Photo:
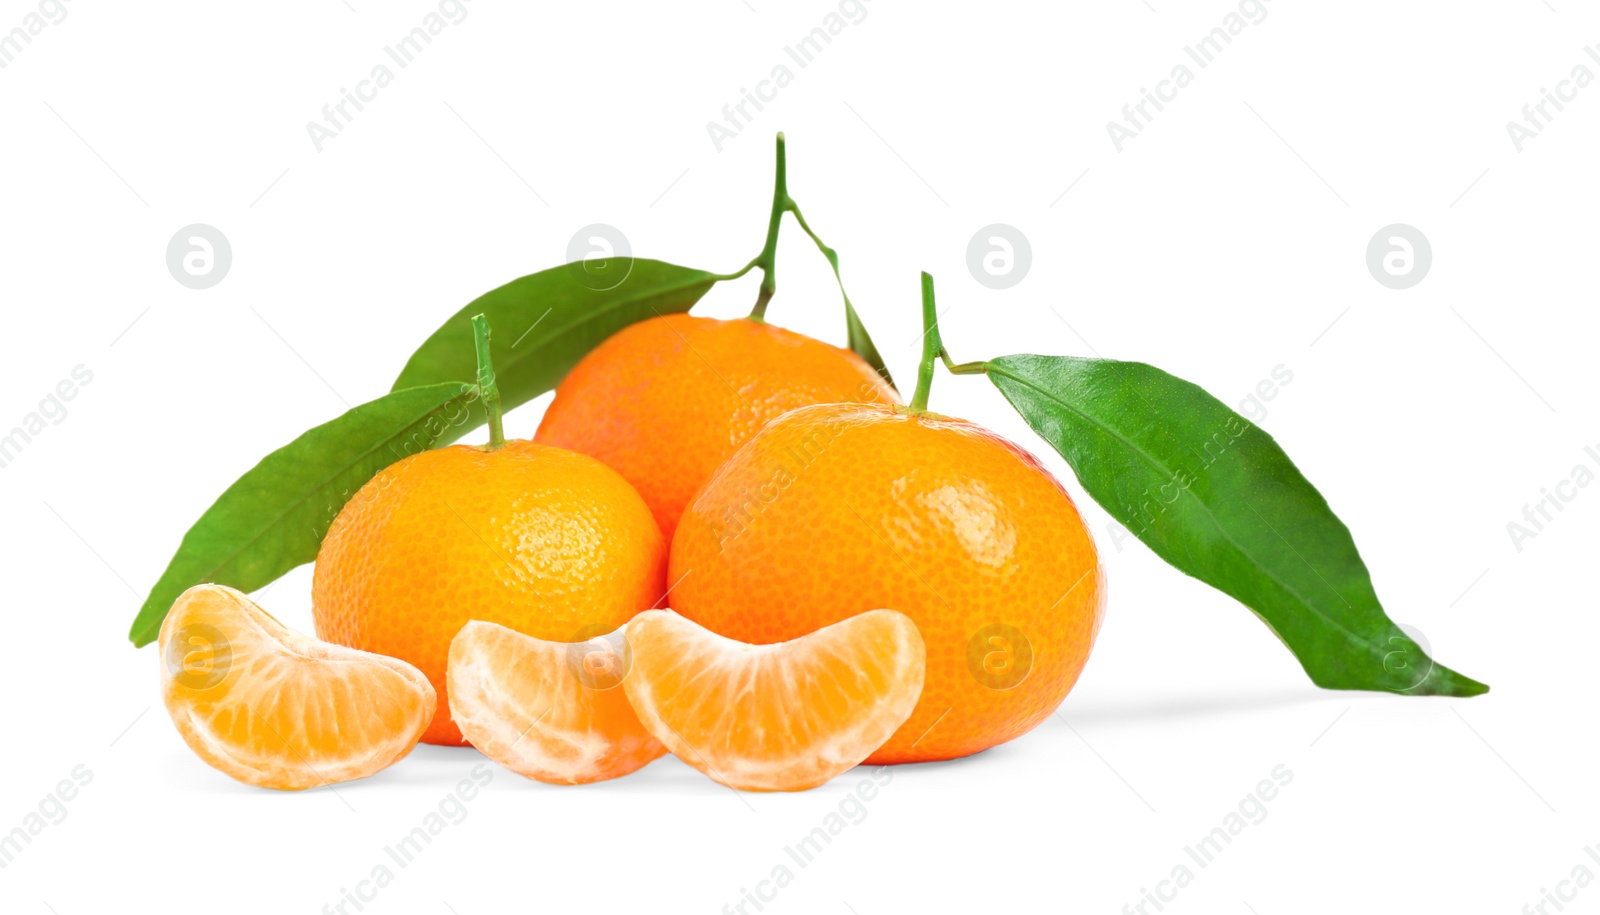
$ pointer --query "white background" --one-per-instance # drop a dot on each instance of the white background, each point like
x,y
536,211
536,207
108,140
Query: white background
x,y
1224,241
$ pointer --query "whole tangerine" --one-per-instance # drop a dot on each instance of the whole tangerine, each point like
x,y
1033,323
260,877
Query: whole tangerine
x,y
665,401
541,540
833,510
548,542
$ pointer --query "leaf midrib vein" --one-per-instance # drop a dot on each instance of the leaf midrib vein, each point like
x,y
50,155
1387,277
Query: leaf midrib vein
x,y
561,330
297,503
1371,647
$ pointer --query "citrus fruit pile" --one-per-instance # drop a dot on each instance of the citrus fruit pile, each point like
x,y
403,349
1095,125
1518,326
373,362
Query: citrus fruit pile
x,y
726,541
832,557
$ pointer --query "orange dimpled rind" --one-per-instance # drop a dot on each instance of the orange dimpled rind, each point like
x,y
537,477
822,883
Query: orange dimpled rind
x,y
540,539
937,517
665,401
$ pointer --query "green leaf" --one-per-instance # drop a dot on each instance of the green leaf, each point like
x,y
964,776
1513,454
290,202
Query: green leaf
x,y
545,322
861,344
273,518
1215,496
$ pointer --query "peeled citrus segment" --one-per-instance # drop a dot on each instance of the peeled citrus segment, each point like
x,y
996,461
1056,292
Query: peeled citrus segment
x,y
278,709
780,717
552,711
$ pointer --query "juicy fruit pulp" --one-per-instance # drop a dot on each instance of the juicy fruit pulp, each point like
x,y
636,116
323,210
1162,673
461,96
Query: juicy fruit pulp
x,y
664,402
536,538
278,709
774,717
552,711
835,509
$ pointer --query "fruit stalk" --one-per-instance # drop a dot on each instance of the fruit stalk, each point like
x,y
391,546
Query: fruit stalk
x,y
859,341
486,386
932,346
767,260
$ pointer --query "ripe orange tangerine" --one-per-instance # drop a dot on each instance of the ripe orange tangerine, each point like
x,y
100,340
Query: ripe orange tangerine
x,y
546,541
835,509
543,540
664,402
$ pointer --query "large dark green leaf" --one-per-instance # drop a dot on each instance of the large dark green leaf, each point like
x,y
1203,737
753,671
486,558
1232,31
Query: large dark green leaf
x,y
545,322
273,518
1216,497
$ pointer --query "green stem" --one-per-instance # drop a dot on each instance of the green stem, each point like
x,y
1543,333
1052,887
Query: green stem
x,y
487,389
828,253
767,260
965,368
932,346
855,331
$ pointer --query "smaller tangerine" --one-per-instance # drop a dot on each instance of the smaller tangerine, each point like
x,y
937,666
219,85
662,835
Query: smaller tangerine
x,y
665,401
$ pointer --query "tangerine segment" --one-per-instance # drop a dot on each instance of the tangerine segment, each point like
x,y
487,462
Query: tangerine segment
x,y
275,708
779,717
552,711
